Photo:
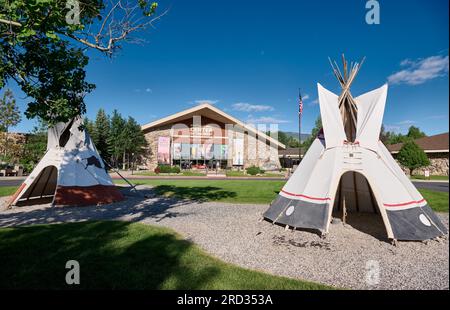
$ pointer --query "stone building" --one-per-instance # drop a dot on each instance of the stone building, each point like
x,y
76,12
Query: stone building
x,y
205,136
436,148
13,148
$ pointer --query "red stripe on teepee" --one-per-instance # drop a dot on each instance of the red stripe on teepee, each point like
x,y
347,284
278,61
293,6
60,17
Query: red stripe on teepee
x,y
304,196
403,204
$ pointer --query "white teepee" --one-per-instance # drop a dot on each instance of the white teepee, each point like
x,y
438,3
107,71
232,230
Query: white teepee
x,y
70,173
347,168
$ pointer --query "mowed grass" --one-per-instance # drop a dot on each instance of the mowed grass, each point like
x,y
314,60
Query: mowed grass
x,y
258,192
432,177
438,201
217,190
7,190
120,255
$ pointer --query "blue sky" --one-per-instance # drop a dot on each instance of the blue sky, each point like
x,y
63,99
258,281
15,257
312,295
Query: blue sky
x,y
250,57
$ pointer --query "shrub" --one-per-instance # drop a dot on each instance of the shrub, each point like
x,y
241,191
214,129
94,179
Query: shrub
x,y
253,170
412,156
167,169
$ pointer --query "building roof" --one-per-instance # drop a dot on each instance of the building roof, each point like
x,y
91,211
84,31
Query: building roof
x,y
290,152
211,112
431,144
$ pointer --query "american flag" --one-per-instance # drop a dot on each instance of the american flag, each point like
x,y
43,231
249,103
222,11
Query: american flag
x,y
300,104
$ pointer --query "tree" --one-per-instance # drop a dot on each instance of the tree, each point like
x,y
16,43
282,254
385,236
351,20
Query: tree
x,y
88,125
35,146
415,133
412,156
42,44
384,135
314,132
9,115
117,138
100,133
135,143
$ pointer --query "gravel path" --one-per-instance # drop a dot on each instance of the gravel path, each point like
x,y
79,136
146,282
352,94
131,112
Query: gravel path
x,y
348,255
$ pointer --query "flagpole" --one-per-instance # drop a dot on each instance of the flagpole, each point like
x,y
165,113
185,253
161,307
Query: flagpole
x,y
300,127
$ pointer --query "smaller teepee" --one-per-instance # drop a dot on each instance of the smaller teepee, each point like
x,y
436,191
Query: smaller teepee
x,y
70,173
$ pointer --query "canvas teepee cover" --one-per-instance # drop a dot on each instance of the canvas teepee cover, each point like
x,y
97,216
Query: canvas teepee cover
x,y
70,173
347,168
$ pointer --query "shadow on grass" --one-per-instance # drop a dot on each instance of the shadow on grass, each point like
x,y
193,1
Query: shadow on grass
x,y
112,255
196,193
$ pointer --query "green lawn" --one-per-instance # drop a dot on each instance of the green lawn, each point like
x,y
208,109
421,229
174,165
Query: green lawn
x,y
250,192
432,177
438,201
120,255
217,190
185,173
244,191
7,190
238,174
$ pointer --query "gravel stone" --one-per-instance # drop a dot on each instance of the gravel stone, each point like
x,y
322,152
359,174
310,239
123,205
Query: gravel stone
x,y
354,255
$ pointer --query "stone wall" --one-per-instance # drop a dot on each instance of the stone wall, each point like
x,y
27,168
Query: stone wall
x,y
260,154
152,136
439,165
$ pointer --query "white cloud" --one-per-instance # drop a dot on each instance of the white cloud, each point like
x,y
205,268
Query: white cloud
x,y
204,101
247,107
406,122
392,128
419,71
265,120
149,90
315,101
305,97
440,116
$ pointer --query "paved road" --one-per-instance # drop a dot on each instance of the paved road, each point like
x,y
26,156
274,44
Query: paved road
x,y
435,186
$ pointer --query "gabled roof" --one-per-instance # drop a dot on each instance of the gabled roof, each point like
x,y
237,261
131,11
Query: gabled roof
x,y
432,144
208,110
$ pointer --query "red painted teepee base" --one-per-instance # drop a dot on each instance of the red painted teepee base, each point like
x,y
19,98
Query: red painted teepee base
x,y
88,195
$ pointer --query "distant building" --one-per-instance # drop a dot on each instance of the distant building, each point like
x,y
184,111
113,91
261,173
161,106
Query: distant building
x,y
205,136
436,147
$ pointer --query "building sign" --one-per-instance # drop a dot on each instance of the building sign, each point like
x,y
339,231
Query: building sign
x,y
238,150
185,151
202,131
208,152
177,151
164,150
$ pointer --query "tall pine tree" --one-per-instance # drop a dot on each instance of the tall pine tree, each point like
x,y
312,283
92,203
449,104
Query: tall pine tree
x,y
100,133
117,139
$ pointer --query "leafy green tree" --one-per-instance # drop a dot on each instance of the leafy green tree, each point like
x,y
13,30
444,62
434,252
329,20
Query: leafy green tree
x,y
395,138
9,116
384,135
415,133
412,156
35,146
42,44
100,133
314,132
